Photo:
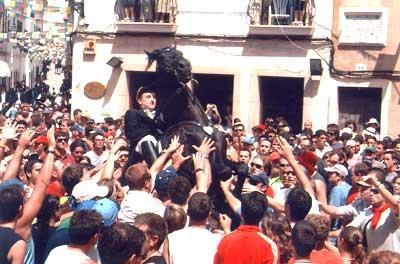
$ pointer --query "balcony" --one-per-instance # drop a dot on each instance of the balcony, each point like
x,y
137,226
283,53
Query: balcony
x,y
281,18
146,17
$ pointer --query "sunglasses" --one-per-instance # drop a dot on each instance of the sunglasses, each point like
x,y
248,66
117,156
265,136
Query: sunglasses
x,y
283,165
238,130
258,166
59,140
374,191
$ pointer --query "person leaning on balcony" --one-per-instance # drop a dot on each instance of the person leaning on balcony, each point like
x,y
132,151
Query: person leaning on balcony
x,y
129,8
166,11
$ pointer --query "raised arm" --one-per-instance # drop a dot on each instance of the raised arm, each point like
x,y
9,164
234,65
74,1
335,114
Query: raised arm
x,y
301,176
34,203
372,179
108,169
205,148
8,132
233,202
159,163
14,165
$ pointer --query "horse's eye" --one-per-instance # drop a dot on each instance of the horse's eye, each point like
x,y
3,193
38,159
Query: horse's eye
x,y
181,65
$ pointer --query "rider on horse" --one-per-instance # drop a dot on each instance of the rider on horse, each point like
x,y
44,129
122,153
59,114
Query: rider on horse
x,y
140,126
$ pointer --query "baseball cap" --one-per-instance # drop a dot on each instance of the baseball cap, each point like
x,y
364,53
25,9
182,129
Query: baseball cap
x,y
78,128
370,149
87,190
307,159
338,168
108,210
260,177
41,140
12,183
163,179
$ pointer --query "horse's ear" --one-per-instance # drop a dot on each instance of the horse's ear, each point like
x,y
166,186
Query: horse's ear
x,y
151,56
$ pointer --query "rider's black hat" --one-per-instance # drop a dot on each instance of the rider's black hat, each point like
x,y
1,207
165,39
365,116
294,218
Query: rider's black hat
x,y
145,89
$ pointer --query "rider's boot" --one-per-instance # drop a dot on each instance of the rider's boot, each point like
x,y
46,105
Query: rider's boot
x,y
149,152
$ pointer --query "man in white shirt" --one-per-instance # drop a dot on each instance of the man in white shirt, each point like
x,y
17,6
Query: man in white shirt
x,y
98,155
194,244
83,232
138,200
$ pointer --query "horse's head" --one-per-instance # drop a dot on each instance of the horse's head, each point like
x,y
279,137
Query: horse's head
x,y
170,63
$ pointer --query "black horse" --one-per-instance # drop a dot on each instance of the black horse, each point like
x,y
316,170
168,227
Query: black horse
x,y
180,112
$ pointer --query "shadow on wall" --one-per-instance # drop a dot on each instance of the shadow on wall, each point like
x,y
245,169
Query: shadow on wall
x,y
111,84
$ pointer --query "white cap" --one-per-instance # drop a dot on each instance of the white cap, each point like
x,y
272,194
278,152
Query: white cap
x,y
339,168
373,121
87,190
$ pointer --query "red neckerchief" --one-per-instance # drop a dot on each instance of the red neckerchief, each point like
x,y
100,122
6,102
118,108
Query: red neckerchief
x,y
377,214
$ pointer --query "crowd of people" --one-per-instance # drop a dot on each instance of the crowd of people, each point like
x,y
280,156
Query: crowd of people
x,y
76,190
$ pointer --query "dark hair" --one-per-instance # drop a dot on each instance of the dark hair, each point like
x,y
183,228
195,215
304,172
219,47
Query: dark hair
x,y
119,242
70,177
359,138
155,226
299,203
199,206
348,122
11,199
320,132
395,156
84,225
29,165
352,241
78,143
76,111
254,205
304,238
50,206
61,134
22,122
175,217
361,169
179,190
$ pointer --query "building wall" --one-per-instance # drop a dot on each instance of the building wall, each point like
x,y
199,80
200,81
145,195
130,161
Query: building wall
x,y
373,58
246,59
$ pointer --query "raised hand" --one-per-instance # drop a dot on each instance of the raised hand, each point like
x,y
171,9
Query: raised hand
x,y
117,145
26,138
178,159
206,146
174,145
50,138
9,131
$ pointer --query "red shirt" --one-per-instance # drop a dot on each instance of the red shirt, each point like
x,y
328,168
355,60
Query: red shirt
x,y
323,256
246,245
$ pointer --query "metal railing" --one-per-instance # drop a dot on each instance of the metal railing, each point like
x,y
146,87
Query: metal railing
x,y
281,12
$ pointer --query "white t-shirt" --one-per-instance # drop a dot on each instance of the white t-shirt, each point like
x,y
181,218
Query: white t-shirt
x,y
97,160
386,236
192,245
65,254
139,202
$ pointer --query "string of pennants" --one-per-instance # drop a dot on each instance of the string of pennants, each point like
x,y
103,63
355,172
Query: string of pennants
x,y
21,4
31,35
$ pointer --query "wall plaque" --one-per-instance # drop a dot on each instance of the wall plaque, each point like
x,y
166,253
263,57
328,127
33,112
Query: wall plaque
x,y
94,90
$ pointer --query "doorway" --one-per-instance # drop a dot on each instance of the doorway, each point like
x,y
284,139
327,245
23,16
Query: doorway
x,y
216,89
359,104
283,97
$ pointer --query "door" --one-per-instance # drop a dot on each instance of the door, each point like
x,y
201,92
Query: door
x,y
359,104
